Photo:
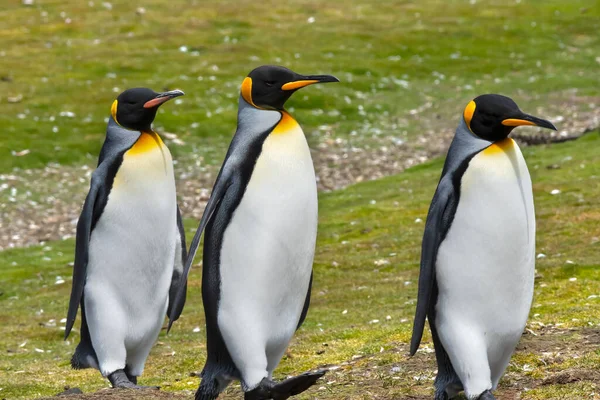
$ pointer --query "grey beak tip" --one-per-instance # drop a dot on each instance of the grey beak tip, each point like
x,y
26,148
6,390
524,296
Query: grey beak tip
x,y
171,93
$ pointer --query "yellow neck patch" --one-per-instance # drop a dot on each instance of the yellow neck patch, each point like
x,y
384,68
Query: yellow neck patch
x,y
113,111
286,124
502,146
247,91
468,114
147,141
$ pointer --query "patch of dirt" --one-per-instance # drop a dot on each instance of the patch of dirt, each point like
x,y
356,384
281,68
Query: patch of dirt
x,y
124,394
571,376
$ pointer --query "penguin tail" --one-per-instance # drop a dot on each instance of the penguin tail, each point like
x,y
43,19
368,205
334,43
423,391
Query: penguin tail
x,y
284,389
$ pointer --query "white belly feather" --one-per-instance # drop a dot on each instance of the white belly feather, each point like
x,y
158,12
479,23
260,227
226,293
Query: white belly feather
x,y
267,253
132,248
485,266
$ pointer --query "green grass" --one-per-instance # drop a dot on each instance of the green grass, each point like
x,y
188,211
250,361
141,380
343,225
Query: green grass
x,y
367,265
392,57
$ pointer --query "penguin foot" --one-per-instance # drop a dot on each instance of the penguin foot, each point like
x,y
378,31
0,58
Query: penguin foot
x,y
120,380
267,389
132,378
487,395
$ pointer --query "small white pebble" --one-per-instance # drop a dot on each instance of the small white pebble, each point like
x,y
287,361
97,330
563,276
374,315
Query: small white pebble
x,y
310,20
374,321
345,312
541,255
418,220
196,329
572,279
389,317
555,191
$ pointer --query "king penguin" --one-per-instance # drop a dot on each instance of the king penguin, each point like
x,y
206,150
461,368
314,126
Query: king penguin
x,y
130,245
261,229
477,257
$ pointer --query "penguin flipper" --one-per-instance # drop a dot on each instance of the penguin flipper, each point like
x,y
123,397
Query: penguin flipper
x,y
219,190
84,231
178,270
439,219
118,141
306,303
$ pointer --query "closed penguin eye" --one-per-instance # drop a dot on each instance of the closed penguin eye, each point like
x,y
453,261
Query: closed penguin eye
x,y
269,83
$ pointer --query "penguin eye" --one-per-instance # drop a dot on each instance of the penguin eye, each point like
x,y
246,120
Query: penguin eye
x,y
269,83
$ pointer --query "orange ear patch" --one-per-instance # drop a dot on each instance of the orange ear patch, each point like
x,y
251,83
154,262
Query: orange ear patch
x,y
113,110
247,91
469,111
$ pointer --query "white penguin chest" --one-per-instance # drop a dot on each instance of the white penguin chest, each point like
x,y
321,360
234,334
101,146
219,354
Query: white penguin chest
x,y
134,239
268,246
485,265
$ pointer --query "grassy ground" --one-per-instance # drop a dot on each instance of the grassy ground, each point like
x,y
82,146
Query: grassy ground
x,y
63,63
363,298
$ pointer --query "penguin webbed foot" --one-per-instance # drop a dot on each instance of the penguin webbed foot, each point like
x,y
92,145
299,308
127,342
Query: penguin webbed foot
x,y
132,378
122,380
487,395
267,389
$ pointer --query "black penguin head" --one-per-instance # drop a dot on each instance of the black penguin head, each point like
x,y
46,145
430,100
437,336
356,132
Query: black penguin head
x,y
492,117
270,86
136,108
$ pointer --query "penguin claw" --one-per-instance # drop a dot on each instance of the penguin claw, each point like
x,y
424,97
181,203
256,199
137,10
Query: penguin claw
x,y
267,389
487,395
121,380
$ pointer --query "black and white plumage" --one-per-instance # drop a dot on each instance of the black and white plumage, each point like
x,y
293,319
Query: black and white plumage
x,y
130,244
477,259
260,231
